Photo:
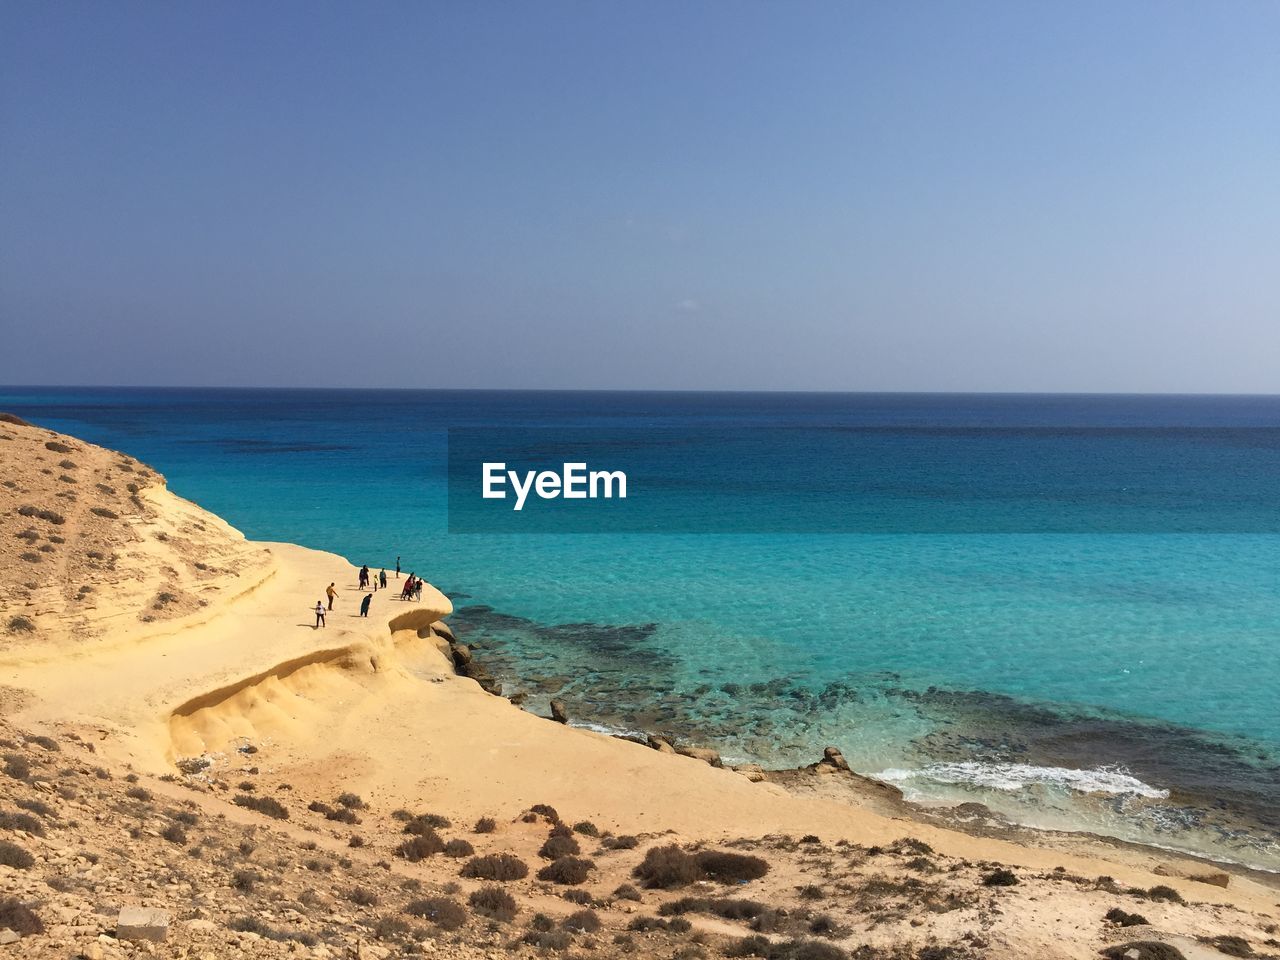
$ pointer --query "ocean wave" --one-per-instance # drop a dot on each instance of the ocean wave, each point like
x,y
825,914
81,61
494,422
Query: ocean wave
x,y
1018,776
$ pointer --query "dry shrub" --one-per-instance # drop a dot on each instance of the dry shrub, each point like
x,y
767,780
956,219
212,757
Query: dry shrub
x,y
729,867
362,896
566,870
586,828
268,806
391,928
545,810
626,892
1001,878
420,847
351,801
496,866
559,846
458,848
554,940
583,921
12,855
19,918
426,821
175,834
625,842
495,903
445,913
485,825
666,867
11,820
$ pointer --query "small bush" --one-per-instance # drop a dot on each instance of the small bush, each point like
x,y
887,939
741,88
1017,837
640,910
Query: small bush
x,y
1168,894
583,921
58,447
420,847
625,842
355,841
485,825
362,896
554,940
458,848
496,866
38,807
17,767
105,513
567,870
24,822
626,892
351,801
445,913
1000,878
12,855
545,810
666,867
1124,919
21,624
317,806
557,847
729,867
47,743
391,928
581,897
342,815
427,821
268,806
245,880
495,903
139,793
175,834
586,828
19,918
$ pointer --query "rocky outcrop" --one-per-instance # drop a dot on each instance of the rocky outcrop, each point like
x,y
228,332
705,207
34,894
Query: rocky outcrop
x,y
661,744
558,712
142,923
832,761
1200,874
705,754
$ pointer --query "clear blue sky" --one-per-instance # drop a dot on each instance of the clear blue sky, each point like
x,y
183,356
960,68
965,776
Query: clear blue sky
x,y
721,195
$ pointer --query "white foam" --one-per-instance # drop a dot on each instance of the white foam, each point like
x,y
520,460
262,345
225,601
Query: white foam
x,y
1018,776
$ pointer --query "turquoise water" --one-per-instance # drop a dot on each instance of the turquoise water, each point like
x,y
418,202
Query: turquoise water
x,y
1121,681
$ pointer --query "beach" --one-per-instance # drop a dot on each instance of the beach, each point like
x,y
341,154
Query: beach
x,y
153,639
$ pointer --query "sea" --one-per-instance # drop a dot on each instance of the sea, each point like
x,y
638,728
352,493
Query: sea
x,y
1063,607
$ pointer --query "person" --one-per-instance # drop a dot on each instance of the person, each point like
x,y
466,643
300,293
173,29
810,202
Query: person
x,y
330,592
397,568
417,589
364,576
364,604
382,578
319,615
408,588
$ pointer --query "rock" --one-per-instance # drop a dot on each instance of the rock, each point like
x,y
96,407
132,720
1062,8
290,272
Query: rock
x,y
142,923
461,654
1200,874
752,771
93,952
833,757
558,712
661,744
705,754
201,925
7,937
442,629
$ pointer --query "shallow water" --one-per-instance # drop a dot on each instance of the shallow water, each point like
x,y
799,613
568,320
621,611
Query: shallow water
x,y
1122,682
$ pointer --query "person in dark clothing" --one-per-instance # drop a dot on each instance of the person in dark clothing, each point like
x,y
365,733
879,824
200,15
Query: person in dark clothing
x,y
364,576
382,579
364,604
397,568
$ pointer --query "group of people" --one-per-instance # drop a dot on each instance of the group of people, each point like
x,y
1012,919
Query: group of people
x,y
412,590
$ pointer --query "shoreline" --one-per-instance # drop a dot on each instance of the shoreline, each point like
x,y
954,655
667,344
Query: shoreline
x,y
192,660
1202,811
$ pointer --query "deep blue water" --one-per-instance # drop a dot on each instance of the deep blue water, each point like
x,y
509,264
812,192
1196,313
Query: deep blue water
x,y
1068,678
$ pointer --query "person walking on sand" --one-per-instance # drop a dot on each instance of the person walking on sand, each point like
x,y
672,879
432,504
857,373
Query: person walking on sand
x,y
319,615
408,588
382,578
330,593
364,576
364,604
397,568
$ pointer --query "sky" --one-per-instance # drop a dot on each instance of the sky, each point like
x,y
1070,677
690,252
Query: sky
x,y
727,195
